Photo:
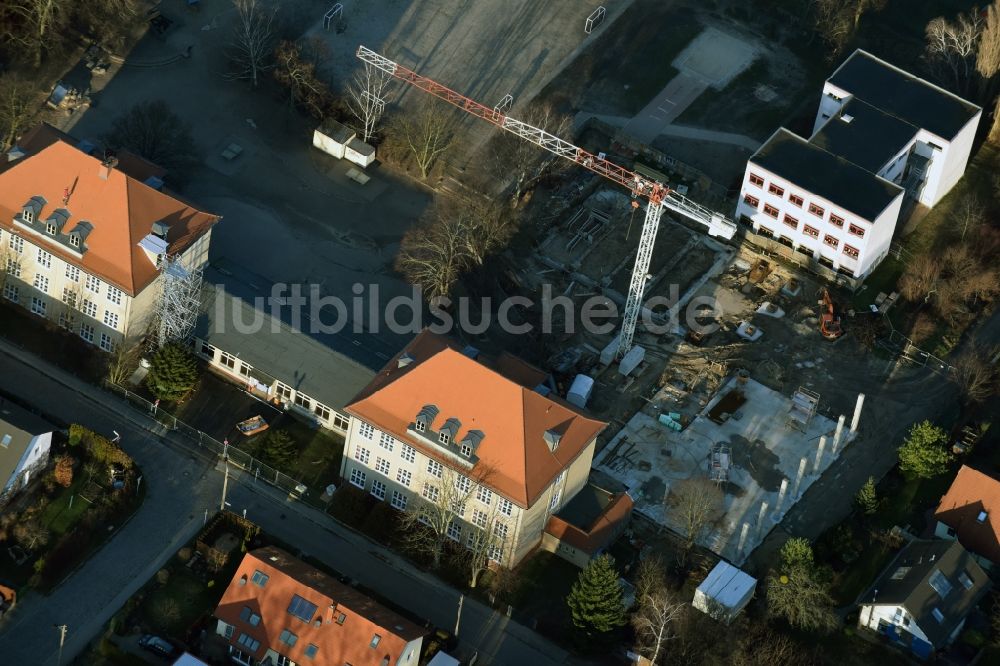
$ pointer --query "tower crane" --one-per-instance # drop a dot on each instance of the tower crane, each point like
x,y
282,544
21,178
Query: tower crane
x,y
658,195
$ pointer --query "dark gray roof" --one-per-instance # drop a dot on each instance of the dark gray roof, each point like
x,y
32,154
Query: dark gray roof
x,y
328,367
903,95
907,582
864,135
826,175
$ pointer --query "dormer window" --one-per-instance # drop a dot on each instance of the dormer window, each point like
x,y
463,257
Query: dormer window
x,y
425,418
28,215
466,450
444,437
50,229
449,431
74,240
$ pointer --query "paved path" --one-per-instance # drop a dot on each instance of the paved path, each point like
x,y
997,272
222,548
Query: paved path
x,y
678,95
181,485
679,131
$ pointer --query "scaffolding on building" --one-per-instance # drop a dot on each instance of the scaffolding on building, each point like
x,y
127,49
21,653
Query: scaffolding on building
x,y
180,301
804,406
722,458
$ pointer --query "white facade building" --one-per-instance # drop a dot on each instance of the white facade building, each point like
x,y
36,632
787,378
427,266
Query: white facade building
x,y
881,136
81,240
436,416
25,441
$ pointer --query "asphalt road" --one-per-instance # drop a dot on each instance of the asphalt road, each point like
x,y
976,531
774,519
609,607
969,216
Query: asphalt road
x,y
181,486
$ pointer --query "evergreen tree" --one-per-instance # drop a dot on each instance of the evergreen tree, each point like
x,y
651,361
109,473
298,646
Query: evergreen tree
x,y
595,601
278,449
923,454
866,499
173,373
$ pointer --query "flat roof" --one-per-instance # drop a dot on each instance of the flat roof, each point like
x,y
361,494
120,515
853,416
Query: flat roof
x,y
727,584
903,95
864,135
586,506
328,367
826,175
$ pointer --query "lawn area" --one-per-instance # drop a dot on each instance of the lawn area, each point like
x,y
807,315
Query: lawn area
x,y
171,609
883,279
543,582
66,509
321,450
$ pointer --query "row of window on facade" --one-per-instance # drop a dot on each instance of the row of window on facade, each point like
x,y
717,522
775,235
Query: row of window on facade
x,y
43,260
284,392
796,200
812,232
39,306
480,519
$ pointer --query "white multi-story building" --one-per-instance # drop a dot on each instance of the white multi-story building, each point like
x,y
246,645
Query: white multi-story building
x,y
81,240
438,414
881,137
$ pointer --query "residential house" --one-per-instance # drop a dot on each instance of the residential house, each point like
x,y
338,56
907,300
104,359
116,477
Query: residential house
x,y
587,524
280,611
881,137
439,416
82,238
25,441
970,512
921,600
273,354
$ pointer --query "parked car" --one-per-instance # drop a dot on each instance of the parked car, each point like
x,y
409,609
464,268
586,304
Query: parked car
x,y
157,645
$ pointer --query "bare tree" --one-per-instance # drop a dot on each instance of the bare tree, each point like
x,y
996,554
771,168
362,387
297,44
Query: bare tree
x,y
425,133
994,135
988,51
485,542
295,69
920,277
485,227
519,163
19,101
69,303
763,646
433,256
38,19
434,518
121,361
31,533
976,373
951,46
656,610
799,596
696,503
366,97
7,257
252,41
838,20
152,130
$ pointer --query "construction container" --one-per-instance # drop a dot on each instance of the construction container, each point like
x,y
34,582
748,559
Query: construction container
x,y
580,390
725,592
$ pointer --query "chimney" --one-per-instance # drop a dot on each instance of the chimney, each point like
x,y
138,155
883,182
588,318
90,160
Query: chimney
x,y
160,229
109,162
404,360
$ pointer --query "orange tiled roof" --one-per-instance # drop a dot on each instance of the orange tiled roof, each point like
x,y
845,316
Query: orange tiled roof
x,y
512,415
971,493
121,209
339,643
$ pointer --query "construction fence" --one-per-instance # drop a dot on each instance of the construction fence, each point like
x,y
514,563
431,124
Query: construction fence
x,y
237,457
